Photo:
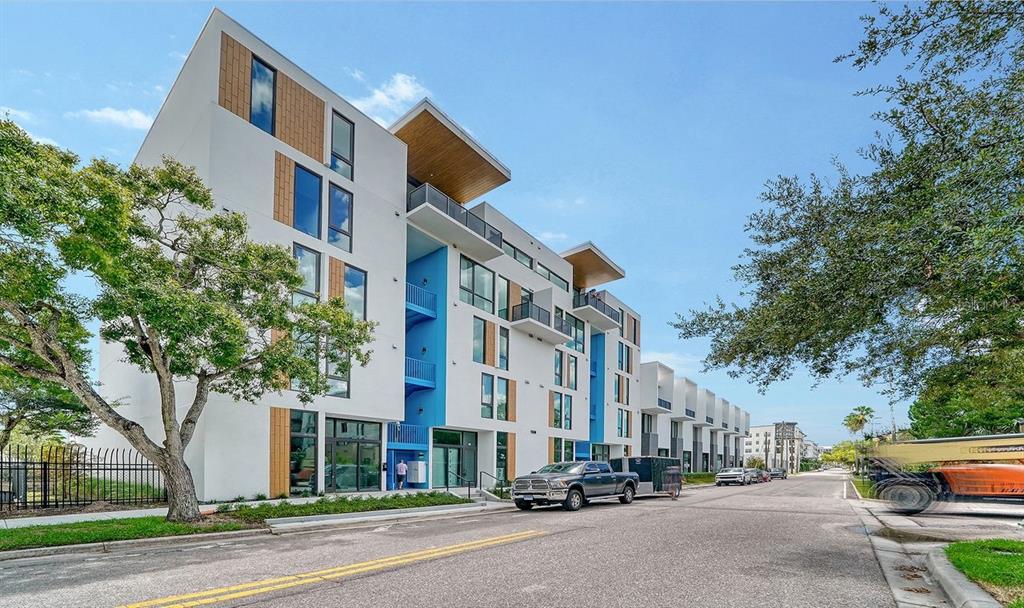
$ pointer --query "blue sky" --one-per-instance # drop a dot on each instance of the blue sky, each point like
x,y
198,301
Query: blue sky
x,y
647,128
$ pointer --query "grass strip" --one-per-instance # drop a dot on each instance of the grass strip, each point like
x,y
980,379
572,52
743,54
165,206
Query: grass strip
x,y
865,486
106,530
996,564
336,505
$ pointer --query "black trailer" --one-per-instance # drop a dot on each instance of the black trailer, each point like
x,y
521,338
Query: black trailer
x,y
651,470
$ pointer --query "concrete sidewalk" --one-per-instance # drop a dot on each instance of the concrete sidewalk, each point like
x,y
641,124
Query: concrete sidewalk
x,y
70,518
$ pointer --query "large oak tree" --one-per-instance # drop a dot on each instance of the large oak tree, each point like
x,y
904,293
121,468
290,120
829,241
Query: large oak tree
x,y
181,288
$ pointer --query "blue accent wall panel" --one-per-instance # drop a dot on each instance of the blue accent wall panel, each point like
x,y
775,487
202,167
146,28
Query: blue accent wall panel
x,y
597,384
428,341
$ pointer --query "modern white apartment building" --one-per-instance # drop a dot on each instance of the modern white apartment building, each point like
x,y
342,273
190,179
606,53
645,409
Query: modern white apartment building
x,y
781,444
493,354
681,420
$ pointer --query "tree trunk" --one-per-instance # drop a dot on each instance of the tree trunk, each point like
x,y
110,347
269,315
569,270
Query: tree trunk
x,y
182,504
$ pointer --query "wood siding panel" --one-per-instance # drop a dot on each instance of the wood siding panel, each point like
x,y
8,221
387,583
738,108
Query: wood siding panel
x,y
336,279
299,117
551,450
284,188
510,465
279,444
512,401
490,344
551,409
235,86
515,296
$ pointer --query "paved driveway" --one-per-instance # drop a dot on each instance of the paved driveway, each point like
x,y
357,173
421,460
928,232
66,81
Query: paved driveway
x,y
792,543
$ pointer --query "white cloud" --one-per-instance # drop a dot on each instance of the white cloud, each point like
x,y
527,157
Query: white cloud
x,y
684,364
388,101
19,115
177,55
128,119
553,237
43,140
356,74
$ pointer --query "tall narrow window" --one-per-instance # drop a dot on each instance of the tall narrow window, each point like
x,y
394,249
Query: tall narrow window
x,y
646,423
338,379
503,298
487,395
476,285
569,451
558,368
478,340
567,412
501,461
556,410
621,356
339,218
306,208
261,104
622,323
502,348
557,443
501,394
616,381
342,142
309,270
572,372
302,453
355,292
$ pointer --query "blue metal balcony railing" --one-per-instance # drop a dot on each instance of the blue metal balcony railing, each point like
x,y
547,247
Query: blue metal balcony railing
x,y
589,299
427,194
421,298
407,433
664,403
691,413
419,370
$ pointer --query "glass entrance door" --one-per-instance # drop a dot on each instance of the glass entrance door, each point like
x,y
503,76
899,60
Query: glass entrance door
x,y
453,459
352,456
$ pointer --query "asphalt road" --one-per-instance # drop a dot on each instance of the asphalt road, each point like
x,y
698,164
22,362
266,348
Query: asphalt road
x,y
792,543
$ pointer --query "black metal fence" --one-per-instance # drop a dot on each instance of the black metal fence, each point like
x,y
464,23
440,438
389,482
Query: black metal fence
x,y
62,477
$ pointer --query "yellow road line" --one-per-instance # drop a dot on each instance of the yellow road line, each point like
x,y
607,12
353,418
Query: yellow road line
x,y
222,594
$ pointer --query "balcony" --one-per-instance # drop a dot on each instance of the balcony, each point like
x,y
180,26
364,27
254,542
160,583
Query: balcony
x,y
419,375
536,322
661,406
708,421
407,436
664,403
593,310
730,431
433,211
420,305
685,414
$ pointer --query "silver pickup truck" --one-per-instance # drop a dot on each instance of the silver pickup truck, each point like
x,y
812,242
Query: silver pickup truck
x,y
573,484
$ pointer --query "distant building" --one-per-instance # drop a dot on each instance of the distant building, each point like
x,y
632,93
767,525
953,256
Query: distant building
x,y
781,445
812,450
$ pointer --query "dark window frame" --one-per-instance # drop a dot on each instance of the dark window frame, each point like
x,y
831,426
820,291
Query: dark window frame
x,y
273,95
484,403
351,161
483,339
472,291
366,288
504,343
351,216
319,200
315,296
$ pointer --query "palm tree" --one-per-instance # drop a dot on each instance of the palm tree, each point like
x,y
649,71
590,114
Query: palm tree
x,y
859,418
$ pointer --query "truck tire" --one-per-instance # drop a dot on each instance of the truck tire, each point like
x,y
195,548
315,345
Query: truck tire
x,y
525,506
627,494
906,498
573,500
718,483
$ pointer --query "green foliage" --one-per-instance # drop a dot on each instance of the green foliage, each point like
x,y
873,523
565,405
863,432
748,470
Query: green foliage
x,y
756,462
865,487
343,504
107,530
860,417
40,411
998,564
919,264
696,478
843,453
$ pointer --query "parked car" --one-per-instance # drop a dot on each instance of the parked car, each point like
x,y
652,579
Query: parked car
x,y
573,484
755,475
765,475
778,473
735,475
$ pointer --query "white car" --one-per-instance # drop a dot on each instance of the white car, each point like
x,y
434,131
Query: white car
x,y
736,475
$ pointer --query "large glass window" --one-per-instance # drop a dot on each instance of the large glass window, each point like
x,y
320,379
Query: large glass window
x,y
646,423
616,390
309,270
625,358
302,454
476,285
567,412
600,452
561,283
306,208
342,143
502,348
572,372
338,379
558,368
487,395
620,423
503,307
556,411
578,328
355,292
501,392
517,254
501,464
339,218
565,450
478,340
261,103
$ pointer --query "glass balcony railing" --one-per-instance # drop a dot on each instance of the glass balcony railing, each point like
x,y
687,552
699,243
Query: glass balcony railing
x,y
589,299
691,413
664,403
529,310
709,419
563,326
725,425
429,195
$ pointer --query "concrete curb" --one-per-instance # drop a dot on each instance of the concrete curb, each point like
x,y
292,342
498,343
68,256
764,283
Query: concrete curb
x,y
139,543
961,590
318,522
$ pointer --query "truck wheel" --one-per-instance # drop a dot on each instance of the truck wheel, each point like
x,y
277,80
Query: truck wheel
x,y
906,498
525,506
718,483
627,495
573,501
